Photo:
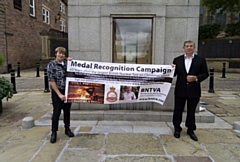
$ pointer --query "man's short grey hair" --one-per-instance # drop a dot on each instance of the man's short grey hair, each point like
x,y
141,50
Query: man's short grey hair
x,y
188,41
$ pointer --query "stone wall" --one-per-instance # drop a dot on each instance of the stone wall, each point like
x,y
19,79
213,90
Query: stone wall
x,y
90,28
217,64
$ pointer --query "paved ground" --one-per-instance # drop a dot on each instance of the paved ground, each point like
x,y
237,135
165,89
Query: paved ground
x,y
117,141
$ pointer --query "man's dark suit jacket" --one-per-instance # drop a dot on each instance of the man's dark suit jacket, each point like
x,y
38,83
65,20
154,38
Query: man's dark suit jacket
x,y
198,68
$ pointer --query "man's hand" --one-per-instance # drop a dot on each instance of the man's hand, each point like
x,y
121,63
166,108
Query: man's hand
x,y
191,78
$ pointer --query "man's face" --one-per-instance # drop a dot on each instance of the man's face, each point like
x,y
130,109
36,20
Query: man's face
x,y
129,89
189,48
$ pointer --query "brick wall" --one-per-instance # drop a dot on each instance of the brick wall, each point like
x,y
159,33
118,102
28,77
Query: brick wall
x,y
2,31
23,43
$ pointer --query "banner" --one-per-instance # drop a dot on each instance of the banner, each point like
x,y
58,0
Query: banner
x,y
112,83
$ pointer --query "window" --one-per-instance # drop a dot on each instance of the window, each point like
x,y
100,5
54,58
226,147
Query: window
x,y
221,19
132,40
32,7
17,4
46,17
202,9
62,7
62,25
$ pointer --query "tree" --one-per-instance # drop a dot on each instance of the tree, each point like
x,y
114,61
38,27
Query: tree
x,y
222,5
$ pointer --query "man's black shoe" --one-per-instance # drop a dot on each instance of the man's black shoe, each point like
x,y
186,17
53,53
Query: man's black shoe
x,y
53,138
69,133
177,134
192,135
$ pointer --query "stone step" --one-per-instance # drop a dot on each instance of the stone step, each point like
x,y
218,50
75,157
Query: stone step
x,y
132,115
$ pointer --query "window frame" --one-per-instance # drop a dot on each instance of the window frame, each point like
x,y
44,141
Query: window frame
x,y
32,6
17,4
46,15
62,26
62,7
129,46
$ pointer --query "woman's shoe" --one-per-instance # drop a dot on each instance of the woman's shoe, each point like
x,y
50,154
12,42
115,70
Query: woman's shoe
x,y
53,138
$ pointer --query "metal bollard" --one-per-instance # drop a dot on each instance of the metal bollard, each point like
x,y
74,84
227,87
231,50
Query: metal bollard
x,y
18,69
224,70
211,90
13,81
37,69
46,81
1,107
9,67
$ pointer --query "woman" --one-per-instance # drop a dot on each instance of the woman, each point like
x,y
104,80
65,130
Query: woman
x,y
56,71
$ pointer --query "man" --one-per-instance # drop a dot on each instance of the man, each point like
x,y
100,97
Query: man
x,y
129,95
190,70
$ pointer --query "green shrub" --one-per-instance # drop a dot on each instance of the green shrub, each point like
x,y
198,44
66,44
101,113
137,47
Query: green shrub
x,y
6,88
1,59
208,31
233,29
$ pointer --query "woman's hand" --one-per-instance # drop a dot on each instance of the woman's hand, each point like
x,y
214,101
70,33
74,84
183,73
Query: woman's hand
x,y
62,97
69,59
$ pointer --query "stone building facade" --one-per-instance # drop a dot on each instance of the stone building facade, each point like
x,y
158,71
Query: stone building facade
x,y
224,18
26,29
95,27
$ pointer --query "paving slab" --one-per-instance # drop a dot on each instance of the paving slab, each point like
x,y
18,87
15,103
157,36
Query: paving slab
x,y
85,129
87,141
133,144
182,146
154,130
220,153
7,132
231,110
24,107
191,159
206,136
19,151
34,134
138,159
72,155
49,151
112,129
12,118
234,149
231,119
227,136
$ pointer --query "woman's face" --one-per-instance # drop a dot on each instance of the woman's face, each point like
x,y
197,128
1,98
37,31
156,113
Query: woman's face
x,y
60,56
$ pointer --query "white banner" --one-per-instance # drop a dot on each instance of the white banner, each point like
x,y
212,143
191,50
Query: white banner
x,y
112,83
